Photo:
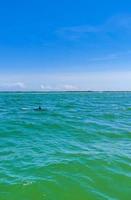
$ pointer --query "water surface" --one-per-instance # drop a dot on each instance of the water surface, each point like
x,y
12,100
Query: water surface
x,y
78,149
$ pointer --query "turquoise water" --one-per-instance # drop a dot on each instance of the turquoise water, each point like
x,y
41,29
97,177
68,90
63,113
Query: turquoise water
x,y
78,149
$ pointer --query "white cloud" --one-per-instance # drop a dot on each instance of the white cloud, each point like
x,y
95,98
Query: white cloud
x,y
117,23
113,56
58,87
102,80
69,87
12,86
46,87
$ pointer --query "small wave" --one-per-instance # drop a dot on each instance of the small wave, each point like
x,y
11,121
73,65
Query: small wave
x,y
27,183
25,108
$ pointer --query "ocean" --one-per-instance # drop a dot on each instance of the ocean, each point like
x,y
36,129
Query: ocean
x,y
78,148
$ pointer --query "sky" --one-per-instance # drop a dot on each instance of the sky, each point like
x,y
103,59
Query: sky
x,y
48,45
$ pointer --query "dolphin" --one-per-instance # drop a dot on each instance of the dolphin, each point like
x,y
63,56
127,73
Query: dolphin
x,y
39,109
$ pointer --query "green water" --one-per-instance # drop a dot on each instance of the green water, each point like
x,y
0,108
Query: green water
x,y
78,149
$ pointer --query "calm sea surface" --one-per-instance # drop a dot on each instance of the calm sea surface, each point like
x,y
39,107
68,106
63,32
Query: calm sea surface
x,y
78,149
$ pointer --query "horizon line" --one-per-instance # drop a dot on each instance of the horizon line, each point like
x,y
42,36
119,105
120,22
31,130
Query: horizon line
x,y
50,91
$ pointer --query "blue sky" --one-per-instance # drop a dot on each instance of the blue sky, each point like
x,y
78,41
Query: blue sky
x,y
65,45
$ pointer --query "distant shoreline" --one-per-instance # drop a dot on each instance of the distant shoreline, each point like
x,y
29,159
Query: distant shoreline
x,y
62,91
